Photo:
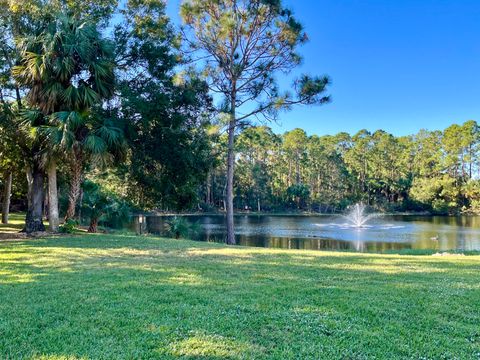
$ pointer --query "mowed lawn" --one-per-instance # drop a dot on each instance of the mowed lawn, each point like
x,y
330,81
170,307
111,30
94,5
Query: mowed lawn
x,y
127,297
16,223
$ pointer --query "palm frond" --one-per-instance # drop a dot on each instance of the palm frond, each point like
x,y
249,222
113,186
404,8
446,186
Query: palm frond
x,y
110,134
95,145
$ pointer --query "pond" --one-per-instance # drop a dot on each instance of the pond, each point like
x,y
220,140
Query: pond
x,y
334,233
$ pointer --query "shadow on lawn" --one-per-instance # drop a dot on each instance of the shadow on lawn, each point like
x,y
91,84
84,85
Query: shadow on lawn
x,y
132,252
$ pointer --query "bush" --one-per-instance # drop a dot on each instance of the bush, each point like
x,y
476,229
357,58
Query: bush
x,y
208,208
69,227
180,227
101,205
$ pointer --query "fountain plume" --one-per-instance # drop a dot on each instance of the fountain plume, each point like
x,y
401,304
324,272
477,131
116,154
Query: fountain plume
x,y
357,216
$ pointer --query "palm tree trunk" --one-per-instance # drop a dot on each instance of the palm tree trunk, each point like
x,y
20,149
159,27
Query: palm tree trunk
x,y
52,196
76,170
93,225
33,220
7,192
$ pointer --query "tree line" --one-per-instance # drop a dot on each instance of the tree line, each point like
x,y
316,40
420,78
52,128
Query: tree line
x,y
431,171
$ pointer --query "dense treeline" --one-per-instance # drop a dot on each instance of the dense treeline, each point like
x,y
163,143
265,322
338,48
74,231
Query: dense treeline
x,y
431,171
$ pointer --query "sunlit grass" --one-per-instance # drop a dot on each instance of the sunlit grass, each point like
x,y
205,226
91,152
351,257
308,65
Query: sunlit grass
x,y
127,297
16,222
201,345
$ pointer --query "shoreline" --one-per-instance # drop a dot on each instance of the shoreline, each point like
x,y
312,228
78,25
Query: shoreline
x,y
299,214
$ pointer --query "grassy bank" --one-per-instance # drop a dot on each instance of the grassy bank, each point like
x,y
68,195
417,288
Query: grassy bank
x,y
121,297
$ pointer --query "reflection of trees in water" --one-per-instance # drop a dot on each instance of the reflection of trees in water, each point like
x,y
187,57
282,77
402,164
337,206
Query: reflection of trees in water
x,y
332,244
436,233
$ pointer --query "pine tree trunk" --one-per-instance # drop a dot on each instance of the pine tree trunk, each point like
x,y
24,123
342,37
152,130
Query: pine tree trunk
x,y
76,170
470,162
33,220
52,196
297,170
208,195
224,197
213,198
7,192
230,170
289,177
93,225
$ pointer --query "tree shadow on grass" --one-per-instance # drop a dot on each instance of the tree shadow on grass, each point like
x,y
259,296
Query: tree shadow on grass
x,y
124,299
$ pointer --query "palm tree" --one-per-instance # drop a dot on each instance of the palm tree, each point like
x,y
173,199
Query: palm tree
x,y
93,139
68,69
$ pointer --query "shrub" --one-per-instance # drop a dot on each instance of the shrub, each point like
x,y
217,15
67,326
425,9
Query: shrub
x,y
180,227
69,227
99,204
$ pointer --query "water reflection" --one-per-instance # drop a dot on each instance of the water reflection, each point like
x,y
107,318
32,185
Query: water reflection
x,y
328,233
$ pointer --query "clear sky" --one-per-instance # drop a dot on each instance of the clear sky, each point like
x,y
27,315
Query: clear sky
x,y
396,65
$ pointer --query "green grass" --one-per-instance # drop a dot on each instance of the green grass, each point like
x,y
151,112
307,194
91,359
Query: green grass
x,y
126,297
16,222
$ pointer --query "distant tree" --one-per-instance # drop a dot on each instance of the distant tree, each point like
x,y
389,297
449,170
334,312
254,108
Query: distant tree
x,y
295,146
427,153
244,43
471,192
298,194
329,179
358,158
255,146
461,149
440,194
388,171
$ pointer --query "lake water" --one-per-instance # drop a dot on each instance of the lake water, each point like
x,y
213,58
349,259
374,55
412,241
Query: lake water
x,y
334,233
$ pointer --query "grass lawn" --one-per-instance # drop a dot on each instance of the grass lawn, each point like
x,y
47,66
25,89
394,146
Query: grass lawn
x,y
126,297
16,222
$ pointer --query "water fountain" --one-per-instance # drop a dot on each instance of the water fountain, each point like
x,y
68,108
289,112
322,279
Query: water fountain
x,y
356,219
357,216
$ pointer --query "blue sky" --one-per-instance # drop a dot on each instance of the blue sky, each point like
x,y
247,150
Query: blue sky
x,y
396,65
